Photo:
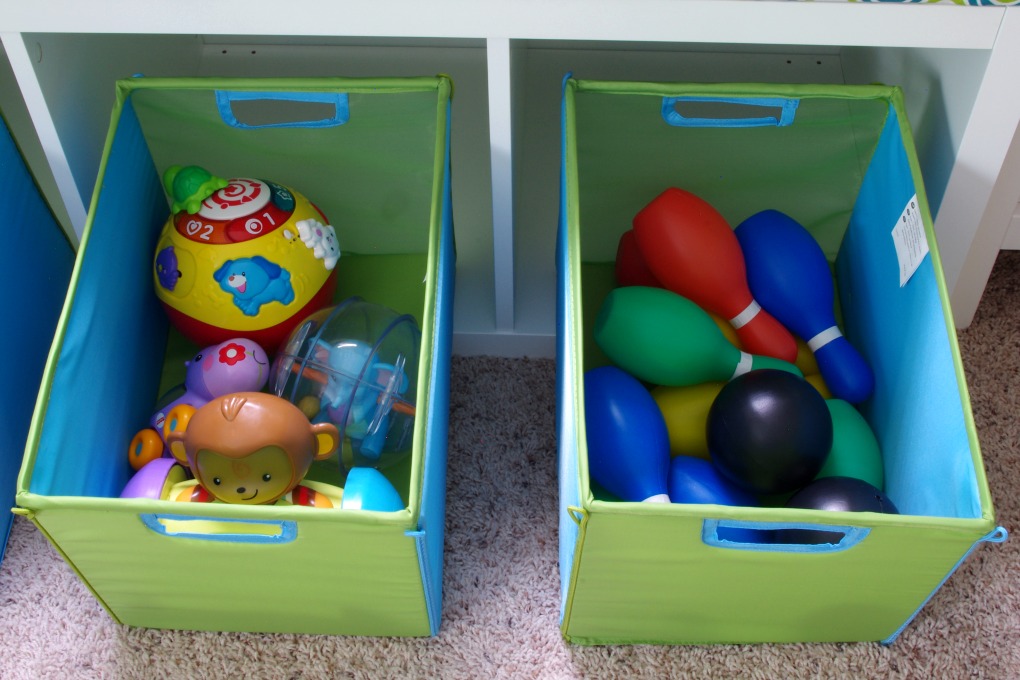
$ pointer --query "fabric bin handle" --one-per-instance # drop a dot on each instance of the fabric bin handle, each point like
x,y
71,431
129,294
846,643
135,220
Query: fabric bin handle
x,y
220,529
785,537
718,109
256,110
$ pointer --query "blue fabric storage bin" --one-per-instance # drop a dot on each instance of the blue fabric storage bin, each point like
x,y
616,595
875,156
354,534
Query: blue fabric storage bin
x,y
35,265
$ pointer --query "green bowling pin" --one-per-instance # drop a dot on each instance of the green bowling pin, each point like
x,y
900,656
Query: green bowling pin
x,y
663,338
855,451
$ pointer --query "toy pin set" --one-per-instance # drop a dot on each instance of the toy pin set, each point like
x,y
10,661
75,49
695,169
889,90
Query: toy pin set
x,y
703,313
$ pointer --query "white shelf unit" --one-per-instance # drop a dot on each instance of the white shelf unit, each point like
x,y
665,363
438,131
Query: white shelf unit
x,y
957,65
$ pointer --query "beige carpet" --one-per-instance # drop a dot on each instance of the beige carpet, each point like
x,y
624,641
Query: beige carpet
x,y
501,592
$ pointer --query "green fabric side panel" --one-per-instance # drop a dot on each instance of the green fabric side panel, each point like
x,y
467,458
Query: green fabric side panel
x,y
811,170
655,581
372,177
334,578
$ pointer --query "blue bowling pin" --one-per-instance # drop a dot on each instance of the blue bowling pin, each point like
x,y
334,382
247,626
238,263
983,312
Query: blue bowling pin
x,y
696,480
790,277
628,444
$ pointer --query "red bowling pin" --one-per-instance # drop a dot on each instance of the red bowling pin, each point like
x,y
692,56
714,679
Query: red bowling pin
x,y
787,271
692,250
630,267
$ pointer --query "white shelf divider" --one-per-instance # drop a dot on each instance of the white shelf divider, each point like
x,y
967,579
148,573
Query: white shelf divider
x,y
982,190
21,64
501,154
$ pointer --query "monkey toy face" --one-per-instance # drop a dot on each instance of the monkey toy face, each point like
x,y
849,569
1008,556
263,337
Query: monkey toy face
x,y
250,447
263,474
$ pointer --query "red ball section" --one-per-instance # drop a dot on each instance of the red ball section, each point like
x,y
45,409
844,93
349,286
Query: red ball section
x,y
270,338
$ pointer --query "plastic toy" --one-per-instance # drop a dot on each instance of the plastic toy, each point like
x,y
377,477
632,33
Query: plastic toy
x,y
769,432
834,494
790,277
685,410
842,494
355,365
241,257
696,480
855,450
630,268
691,249
367,489
628,446
665,339
235,365
364,488
155,479
252,448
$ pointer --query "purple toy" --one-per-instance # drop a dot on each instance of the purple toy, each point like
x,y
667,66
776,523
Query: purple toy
x,y
154,480
235,365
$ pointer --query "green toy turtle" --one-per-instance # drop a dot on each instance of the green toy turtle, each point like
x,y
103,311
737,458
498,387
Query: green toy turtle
x,y
189,185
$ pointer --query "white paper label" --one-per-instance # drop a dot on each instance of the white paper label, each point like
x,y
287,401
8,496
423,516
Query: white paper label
x,y
910,240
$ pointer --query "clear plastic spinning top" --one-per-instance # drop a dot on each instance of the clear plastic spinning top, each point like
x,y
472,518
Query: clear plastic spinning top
x,y
355,365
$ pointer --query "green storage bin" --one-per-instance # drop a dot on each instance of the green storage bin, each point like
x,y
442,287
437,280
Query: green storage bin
x,y
373,154
840,160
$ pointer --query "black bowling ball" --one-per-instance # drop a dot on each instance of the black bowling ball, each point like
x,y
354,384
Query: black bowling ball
x,y
842,494
769,431
834,494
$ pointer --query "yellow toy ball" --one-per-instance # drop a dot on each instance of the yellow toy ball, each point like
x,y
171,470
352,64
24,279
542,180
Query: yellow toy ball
x,y
241,257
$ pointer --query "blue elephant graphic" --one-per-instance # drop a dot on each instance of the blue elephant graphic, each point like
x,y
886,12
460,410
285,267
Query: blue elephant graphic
x,y
255,281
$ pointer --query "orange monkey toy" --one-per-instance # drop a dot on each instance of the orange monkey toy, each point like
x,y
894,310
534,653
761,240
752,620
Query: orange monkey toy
x,y
252,448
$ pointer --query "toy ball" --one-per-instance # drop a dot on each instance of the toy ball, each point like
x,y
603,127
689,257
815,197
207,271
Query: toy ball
x,y
834,494
769,431
241,257
842,494
368,489
355,365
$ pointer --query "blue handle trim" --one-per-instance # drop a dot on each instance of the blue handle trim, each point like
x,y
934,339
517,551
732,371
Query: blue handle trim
x,y
225,99
788,108
431,606
287,530
740,535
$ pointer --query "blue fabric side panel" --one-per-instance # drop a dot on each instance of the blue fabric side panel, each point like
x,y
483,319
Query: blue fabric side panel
x,y
35,265
115,320
997,535
917,411
433,511
565,413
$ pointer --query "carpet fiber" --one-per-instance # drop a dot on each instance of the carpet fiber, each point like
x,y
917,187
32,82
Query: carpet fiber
x,y
501,581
